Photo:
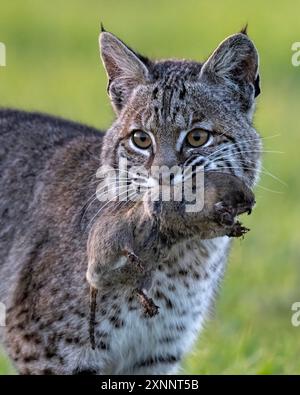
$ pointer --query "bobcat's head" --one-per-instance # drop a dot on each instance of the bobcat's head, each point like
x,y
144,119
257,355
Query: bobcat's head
x,y
180,112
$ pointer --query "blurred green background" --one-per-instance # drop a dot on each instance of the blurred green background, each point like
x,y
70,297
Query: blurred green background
x,y
53,66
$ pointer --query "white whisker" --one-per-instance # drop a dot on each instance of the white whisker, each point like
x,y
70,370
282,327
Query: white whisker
x,y
269,190
105,205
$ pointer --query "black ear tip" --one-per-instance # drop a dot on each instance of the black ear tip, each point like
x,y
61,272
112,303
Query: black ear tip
x,y
244,30
102,28
256,87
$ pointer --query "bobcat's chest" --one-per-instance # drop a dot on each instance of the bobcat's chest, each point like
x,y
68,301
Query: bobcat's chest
x,y
183,288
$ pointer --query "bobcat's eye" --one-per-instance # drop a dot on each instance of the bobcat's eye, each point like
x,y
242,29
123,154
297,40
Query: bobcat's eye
x,y
141,139
197,137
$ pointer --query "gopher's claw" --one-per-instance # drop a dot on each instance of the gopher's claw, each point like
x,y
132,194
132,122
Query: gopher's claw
x,y
238,230
135,260
150,308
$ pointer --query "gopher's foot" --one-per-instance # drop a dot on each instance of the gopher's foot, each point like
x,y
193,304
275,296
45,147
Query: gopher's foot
x,y
135,260
225,215
238,230
150,308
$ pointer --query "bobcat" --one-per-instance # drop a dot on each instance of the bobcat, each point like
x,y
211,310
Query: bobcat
x,y
172,112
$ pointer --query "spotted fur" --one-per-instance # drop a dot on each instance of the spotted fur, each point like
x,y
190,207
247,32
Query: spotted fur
x,y
47,209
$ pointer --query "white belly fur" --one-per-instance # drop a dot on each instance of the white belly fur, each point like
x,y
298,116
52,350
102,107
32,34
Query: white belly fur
x,y
141,338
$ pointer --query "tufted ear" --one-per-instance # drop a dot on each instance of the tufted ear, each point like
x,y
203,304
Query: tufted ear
x,y
125,69
235,64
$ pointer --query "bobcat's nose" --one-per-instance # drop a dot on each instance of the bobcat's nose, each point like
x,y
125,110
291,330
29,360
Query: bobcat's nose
x,y
165,156
165,168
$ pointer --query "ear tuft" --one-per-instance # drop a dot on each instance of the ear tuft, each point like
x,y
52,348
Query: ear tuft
x,y
244,30
256,86
102,28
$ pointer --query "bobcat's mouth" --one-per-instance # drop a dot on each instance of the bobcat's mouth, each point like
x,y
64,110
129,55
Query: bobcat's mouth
x,y
224,194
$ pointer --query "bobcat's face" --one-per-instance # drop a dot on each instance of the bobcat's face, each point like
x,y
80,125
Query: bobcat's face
x,y
180,113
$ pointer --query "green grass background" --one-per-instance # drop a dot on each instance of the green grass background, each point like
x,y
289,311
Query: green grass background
x,y
53,66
